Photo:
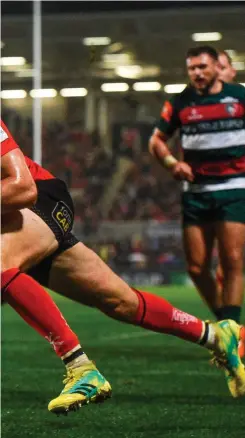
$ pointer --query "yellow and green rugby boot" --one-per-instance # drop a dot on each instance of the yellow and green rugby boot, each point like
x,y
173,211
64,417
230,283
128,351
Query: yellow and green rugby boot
x,y
83,385
226,355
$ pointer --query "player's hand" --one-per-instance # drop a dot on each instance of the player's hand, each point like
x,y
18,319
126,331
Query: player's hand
x,y
182,171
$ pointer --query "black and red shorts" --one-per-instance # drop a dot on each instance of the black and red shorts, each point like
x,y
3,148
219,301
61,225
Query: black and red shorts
x,y
55,207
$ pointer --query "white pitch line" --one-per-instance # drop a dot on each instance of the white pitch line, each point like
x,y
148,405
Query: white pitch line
x,y
181,373
169,373
125,335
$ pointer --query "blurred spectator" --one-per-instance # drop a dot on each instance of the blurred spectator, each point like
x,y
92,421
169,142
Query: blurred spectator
x,y
77,157
137,256
147,194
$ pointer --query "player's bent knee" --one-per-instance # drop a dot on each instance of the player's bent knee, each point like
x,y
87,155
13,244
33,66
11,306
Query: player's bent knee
x,y
8,263
197,270
234,261
25,240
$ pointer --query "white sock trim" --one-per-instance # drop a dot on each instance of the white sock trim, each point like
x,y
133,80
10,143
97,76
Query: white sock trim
x,y
69,353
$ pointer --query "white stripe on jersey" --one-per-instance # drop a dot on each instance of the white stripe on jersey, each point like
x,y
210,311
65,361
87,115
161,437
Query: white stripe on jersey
x,y
3,135
231,183
216,140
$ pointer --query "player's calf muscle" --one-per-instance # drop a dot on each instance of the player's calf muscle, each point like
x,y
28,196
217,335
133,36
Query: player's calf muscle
x,y
93,282
120,307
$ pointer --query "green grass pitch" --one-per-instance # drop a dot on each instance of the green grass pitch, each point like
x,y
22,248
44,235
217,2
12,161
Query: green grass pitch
x,y
162,386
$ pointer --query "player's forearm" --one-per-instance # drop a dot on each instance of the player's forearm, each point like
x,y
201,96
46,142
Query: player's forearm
x,y
159,149
16,195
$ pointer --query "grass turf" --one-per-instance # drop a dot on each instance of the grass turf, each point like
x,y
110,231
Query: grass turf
x,y
162,386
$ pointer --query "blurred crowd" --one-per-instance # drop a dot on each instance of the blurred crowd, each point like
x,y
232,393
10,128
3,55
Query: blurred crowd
x,y
137,253
147,193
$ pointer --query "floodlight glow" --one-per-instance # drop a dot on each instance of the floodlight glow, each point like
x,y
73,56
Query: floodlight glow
x,y
13,94
44,92
73,92
174,88
206,36
96,41
129,71
12,60
114,87
147,86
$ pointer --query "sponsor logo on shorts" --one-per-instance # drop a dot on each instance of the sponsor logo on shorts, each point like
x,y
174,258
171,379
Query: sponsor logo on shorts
x,y
63,216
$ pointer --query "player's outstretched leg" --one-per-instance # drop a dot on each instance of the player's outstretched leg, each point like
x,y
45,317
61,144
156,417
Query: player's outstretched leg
x,y
221,338
84,383
82,276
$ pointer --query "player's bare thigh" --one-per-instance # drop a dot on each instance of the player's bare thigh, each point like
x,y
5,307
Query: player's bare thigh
x,y
81,275
231,241
25,240
198,244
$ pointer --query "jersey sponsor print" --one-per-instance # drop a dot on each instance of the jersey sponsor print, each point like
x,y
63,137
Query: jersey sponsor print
x,y
212,130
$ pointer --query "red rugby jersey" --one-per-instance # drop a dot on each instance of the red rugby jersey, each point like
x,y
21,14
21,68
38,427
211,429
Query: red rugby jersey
x,y
8,144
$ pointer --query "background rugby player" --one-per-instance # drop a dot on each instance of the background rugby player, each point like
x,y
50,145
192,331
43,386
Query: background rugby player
x,y
210,116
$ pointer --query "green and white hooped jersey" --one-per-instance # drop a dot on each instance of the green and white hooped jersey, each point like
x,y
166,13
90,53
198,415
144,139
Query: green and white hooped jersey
x,y
212,129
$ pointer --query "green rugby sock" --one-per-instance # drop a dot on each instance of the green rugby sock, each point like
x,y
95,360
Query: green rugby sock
x,y
218,313
230,312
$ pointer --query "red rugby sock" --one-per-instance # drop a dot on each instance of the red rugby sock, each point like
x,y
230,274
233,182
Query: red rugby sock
x,y
157,314
36,307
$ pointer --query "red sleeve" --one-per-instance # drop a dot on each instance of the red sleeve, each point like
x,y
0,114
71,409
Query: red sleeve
x,y
6,140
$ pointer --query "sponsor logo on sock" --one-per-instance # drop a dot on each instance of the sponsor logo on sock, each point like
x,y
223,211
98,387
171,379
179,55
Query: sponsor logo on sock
x,y
182,317
54,341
